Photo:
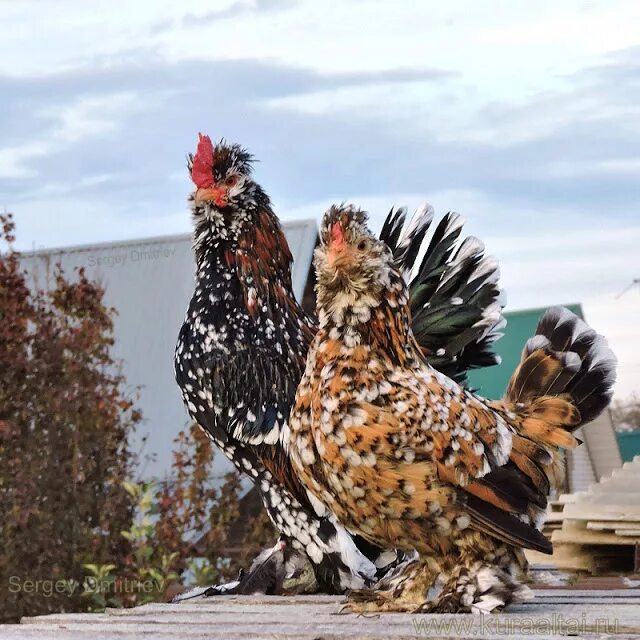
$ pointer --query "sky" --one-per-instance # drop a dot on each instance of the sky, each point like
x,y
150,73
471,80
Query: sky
x,y
521,115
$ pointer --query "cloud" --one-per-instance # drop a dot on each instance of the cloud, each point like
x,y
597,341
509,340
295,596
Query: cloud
x,y
136,120
84,118
236,9
12,159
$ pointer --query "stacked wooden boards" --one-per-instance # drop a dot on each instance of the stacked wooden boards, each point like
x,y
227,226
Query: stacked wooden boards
x,y
598,530
555,517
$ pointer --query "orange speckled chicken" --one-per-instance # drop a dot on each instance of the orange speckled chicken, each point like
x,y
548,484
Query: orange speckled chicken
x,y
407,458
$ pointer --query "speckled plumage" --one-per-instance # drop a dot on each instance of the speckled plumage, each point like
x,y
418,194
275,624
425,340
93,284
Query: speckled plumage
x,y
242,348
406,457
240,355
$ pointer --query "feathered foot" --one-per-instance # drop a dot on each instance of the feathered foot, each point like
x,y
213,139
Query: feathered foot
x,y
368,601
404,591
482,588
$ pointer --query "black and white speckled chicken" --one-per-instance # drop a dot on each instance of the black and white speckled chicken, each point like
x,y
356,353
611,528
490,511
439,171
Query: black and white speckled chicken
x,y
242,348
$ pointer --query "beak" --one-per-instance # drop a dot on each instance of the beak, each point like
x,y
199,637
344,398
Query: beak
x,y
217,195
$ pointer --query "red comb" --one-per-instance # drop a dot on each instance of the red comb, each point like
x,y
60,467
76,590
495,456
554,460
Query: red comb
x,y
337,234
202,168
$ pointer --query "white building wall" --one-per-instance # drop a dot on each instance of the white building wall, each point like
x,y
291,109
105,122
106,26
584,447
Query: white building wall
x,y
580,472
150,283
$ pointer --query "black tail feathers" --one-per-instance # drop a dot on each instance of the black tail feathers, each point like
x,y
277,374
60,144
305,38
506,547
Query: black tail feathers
x,y
566,356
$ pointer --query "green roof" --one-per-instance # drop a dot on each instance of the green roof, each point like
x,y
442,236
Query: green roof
x,y
521,325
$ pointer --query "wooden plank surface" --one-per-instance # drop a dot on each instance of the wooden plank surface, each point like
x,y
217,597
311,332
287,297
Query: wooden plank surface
x,y
598,525
554,613
588,537
602,512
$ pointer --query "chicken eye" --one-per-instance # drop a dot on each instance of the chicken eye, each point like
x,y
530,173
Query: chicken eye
x,y
362,245
231,180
